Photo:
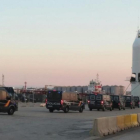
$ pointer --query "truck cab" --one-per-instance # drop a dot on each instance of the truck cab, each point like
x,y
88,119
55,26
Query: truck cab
x,y
58,100
7,103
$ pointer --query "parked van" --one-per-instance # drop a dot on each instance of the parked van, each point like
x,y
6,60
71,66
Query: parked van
x,y
100,101
137,101
7,103
129,102
118,102
58,100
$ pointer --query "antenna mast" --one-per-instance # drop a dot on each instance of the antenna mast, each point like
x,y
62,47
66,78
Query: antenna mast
x,y
138,23
2,80
25,87
97,77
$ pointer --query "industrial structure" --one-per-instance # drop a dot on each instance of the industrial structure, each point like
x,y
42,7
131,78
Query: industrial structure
x,y
114,90
135,79
95,86
2,80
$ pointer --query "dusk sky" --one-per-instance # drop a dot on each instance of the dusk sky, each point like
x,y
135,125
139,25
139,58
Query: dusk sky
x,y
67,42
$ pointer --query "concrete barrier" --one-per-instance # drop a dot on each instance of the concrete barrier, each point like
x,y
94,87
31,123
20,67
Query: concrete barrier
x,y
138,118
120,123
43,105
127,121
101,127
134,120
109,125
113,125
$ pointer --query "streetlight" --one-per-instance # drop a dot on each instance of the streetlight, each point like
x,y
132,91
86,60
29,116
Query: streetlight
x,y
33,96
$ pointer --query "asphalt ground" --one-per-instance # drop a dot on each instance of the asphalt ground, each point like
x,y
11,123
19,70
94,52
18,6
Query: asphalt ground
x,y
32,122
129,134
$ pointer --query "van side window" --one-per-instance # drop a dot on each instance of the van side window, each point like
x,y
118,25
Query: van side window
x,y
3,95
138,77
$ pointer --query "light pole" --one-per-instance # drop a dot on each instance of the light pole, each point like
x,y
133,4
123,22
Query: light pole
x,y
33,96
25,97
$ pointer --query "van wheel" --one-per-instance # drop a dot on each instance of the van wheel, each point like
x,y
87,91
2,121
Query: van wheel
x,y
51,110
81,109
66,110
103,108
11,111
90,109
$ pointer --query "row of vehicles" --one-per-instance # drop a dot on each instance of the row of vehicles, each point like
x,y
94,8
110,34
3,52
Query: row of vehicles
x,y
111,102
58,100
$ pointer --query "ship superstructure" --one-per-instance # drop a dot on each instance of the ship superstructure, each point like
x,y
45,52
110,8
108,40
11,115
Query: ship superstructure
x,y
95,86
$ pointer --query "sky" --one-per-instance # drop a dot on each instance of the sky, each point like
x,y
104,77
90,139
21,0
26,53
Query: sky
x,y
67,42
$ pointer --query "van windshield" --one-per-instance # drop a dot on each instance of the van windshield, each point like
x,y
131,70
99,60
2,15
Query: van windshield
x,y
128,98
92,97
116,98
136,98
56,95
98,97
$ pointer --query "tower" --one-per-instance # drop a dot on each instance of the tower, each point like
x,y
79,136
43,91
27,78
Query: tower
x,y
25,86
2,80
135,79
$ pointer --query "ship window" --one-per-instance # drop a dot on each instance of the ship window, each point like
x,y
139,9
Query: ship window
x,y
139,77
133,77
138,35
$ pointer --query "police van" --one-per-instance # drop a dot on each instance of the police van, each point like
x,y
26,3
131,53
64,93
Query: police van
x,y
58,100
7,103
99,101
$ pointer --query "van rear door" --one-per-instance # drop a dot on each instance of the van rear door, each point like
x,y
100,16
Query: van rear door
x,y
128,101
92,99
54,98
98,99
115,101
54,95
